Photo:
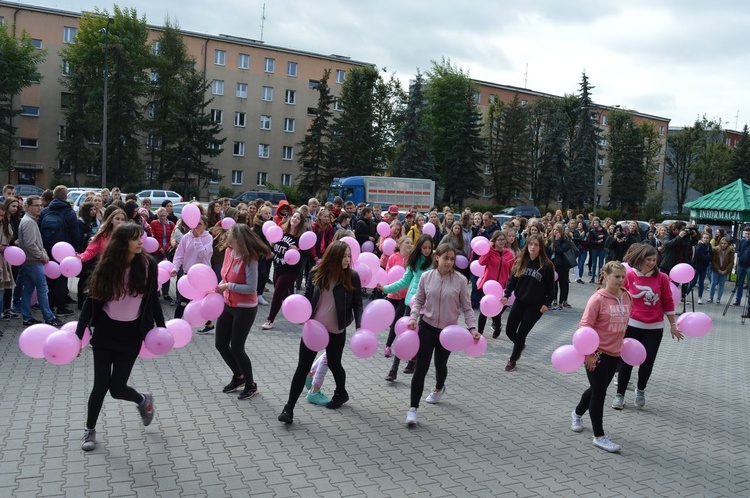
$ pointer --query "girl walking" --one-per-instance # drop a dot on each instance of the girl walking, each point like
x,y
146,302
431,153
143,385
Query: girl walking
x,y
497,265
607,312
398,258
122,307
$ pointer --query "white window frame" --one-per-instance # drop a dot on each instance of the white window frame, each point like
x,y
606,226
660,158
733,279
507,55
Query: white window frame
x,y
30,111
476,98
291,69
265,122
337,106
289,125
240,119
600,180
69,34
238,149
290,97
238,176
604,120
36,43
269,65
155,47
220,57
243,61
217,113
217,87
286,179
340,76
287,153
31,143
262,178
486,191
264,151
65,68
241,90
61,131
267,94
214,174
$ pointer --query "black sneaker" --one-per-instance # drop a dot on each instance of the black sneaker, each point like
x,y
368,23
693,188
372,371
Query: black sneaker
x,y
392,374
29,323
146,409
69,300
338,400
287,415
64,312
410,367
55,322
233,385
249,391
510,366
496,331
5,316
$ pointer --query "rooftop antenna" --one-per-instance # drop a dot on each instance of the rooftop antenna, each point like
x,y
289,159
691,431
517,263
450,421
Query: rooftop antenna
x,y
526,76
262,22
736,119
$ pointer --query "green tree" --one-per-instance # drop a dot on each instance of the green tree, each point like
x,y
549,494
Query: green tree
x,y
493,126
18,70
413,153
550,130
315,154
628,184
513,161
679,161
583,151
711,167
462,177
740,165
389,99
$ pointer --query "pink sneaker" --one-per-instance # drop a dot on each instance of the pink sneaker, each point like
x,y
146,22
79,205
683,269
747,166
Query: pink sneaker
x,y
387,352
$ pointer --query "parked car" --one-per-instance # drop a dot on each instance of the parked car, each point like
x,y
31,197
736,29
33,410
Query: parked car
x,y
159,196
77,196
250,195
177,207
525,211
643,225
27,190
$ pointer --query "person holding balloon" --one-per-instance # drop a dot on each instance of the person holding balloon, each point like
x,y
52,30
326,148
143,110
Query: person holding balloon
x,y
262,215
122,307
94,248
196,247
7,281
497,263
442,295
335,292
607,313
652,300
239,286
397,260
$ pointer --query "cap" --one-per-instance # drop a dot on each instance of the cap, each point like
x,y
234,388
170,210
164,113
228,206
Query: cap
x,y
393,209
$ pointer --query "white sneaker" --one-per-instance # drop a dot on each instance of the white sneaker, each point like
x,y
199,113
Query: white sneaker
x,y
411,417
640,398
262,300
267,325
606,444
619,402
435,396
577,425
700,301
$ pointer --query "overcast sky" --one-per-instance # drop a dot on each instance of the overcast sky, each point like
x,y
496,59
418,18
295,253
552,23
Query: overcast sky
x,y
677,59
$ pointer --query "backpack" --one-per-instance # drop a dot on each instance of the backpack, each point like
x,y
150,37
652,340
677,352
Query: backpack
x,y
52,228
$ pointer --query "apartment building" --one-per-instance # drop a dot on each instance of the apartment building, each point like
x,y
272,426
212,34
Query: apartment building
x,y
263,96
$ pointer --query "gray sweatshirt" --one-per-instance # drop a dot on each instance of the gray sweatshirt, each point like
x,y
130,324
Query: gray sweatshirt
x,y
30,240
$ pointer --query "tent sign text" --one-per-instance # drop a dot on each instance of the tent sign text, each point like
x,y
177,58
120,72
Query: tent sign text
x,y
715,214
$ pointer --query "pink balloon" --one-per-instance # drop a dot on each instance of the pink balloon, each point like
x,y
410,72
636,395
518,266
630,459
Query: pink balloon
x,y
267,225
461,262
695,324
145,353
585,340
566,359
490,305
682,273
62,250
406,345
384,229
307,241
61,347
388,246
480,245
181,331
455,338
378,315
72,326
202,278
14,255
31,340
193,315
296,308
633,352
212,306
395,273
368,246
314,335
365,274
676,294
52,270
191,215
166,265
162,276
402,325
492,288
159,341
370,260
556,277
364,343
381,277
292,257
227,223
476,269
274,234
188,291
477,348
70,266
429,229
511,299
354,246
150,245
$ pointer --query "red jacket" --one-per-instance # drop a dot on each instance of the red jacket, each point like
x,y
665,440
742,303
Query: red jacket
x,y
233,273
157,229
325,237
497,266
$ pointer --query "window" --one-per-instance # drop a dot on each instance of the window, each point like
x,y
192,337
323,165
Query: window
x,y
243,61
63,166
265,122
337,105
268,93
661,131
289,125
286,179
269,65
217,87
154,78
214,176
290,97
487,169
37,44
153,143
238,149
531,195
313,84
29,143
493,98
486,192
516,194
65,68
656,185
237,177
264,151
156,47
287,153
262,178
65,100
151,110
340,76
476,98
658,167
600,180
61,133
524,102
602,161
27,110
604,119
217,116
728,141
291,69
215,146
312,111
242,90
220,57
602,142
240,119
69,34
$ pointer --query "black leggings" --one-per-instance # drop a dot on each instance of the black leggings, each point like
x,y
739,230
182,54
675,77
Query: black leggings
x,y
232,328
496,320
283,286
400,306
334,350
406,312
563,281
111,373
429,340
651,339
521,320
593,398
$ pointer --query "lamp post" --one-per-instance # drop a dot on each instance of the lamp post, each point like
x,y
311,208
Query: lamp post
x,y
104,111
596,155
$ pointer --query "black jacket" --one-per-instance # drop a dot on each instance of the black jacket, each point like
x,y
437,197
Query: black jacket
x,y
535,287
72,233
348,303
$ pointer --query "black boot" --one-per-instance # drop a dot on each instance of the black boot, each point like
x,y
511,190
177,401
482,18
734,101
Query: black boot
x,y
287,415
392,374
497,329
338,399
410,367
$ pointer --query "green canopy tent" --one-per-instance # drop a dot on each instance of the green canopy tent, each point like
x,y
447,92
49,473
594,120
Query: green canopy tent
x,y
729,204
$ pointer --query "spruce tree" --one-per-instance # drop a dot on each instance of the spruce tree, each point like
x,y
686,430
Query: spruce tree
x,y
315,153
413,152
740,165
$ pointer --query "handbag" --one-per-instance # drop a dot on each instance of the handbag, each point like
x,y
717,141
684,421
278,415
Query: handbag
x,y
571,255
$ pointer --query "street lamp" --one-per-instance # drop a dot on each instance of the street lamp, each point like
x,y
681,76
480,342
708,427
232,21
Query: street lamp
x,y
105,31
596,155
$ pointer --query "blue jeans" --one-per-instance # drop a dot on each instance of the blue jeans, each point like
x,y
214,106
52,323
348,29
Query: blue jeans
x,y
597,261
700,277
34,279
581,263
717,279
742,272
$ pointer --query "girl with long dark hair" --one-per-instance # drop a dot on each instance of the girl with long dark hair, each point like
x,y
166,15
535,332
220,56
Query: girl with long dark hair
x,y
497,263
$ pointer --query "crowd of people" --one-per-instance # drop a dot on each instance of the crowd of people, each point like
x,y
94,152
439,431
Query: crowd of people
x,y
532,259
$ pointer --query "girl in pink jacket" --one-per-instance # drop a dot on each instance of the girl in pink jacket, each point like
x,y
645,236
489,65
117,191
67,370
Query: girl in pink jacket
x,y
497,265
